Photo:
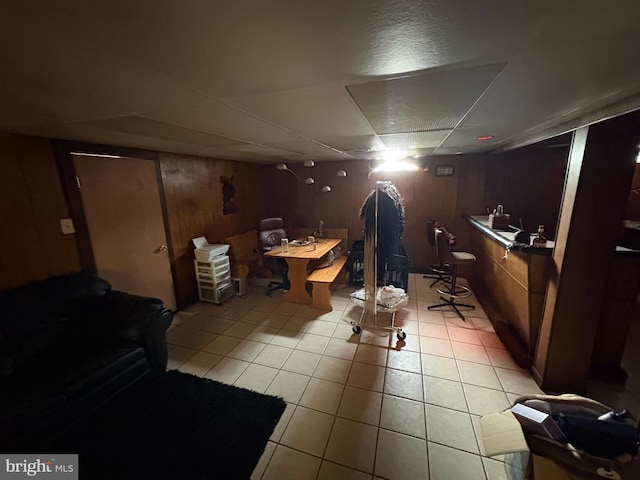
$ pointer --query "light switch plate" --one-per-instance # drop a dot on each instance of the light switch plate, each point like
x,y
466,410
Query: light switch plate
x,y
67,226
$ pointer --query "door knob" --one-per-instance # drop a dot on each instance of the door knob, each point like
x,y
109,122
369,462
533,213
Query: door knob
x,y
161,248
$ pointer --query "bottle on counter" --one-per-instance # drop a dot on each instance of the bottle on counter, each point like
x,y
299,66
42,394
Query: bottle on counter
x,y
540,240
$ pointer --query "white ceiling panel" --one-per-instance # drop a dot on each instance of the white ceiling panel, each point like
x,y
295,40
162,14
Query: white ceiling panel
x,y
62,78
251,153
246,47
313,150
275,74
83,133
464,140
220,119
323,111
344,143
411,141
152,128
433,100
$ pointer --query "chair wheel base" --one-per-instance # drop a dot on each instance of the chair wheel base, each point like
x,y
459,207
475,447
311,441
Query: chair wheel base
x,y
451,303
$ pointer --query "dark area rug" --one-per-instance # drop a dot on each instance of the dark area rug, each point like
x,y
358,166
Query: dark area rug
x,y
177,427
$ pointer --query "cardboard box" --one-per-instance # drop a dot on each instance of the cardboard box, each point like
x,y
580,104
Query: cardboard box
x,y
547,469
206,252
501,433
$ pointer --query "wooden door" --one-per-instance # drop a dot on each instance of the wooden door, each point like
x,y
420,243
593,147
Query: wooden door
x,y
124,216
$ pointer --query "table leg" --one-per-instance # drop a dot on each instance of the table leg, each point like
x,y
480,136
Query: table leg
x,y
298,278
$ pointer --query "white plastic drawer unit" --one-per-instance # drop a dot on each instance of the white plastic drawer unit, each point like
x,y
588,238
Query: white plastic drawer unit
x,y
216,295
220,264
214,279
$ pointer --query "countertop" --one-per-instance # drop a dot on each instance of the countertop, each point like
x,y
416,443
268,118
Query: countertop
x,y
507,238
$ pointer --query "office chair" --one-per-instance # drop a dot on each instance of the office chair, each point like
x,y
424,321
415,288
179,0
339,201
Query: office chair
x,y
452,290
270,232
438,272
355,264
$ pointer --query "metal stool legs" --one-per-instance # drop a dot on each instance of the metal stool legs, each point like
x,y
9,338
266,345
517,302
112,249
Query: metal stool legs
x,y
453,291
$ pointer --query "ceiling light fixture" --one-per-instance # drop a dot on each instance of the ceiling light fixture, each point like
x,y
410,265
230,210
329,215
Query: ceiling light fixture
x,y
283,166
407,164
310,180
391,155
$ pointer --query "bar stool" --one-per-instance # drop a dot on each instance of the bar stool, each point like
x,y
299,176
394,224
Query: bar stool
x,y
438,272
450,291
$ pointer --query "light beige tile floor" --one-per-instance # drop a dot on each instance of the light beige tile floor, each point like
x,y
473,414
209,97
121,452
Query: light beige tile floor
x,y
361,406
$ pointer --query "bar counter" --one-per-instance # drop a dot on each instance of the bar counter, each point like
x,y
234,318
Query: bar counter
x,y
515,279
516,285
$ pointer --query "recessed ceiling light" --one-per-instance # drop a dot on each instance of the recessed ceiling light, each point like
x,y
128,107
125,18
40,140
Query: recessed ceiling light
x,y
484,137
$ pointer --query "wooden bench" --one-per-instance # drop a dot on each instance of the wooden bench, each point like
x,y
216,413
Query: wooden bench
x,y
321,279
243,256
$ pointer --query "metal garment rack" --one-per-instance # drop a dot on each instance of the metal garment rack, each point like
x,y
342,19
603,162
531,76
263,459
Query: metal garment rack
x,y
368,302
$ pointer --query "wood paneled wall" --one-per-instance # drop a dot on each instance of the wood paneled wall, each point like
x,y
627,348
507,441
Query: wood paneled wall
x,y
193,195
527,182
424,195
633,205
32,202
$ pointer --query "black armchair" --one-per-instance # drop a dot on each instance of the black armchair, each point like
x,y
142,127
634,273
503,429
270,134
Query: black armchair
x,y
270,234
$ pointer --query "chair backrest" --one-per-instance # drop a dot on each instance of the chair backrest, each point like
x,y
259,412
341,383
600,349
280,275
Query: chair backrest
x,y
270,232
431,234
442,247
355,267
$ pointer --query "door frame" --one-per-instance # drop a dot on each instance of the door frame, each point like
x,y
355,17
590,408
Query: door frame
x,y
62,152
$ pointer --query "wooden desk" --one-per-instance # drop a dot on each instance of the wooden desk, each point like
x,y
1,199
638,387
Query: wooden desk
x,y
297,259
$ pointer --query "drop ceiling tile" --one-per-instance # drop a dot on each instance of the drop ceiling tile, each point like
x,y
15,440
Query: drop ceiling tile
x,y
353,143
221,119
379,154
411,141
464,139
83,133
313,149
107,59
152,128
252,153
323,111
433,100
64,78
546,84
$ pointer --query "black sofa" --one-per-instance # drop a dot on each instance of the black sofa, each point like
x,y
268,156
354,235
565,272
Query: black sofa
x,y
68,344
